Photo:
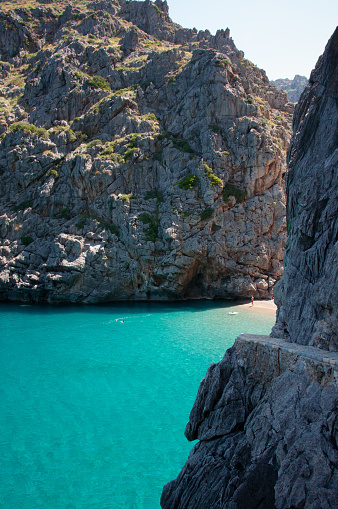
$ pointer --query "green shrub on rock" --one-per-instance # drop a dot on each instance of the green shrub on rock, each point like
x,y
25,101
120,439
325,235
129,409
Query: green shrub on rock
x,y
151,232
93,143
215,181
215,128
23,205
150,116
127,197
28,128
182,145
231,190
53,173
26,240
158,155
108,151
65,214
223,62
155,193
206,214
98,82
145,218
188,182
128,153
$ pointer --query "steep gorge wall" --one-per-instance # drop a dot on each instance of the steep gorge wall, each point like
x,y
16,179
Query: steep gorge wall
x,y
307,297
266,416
138,159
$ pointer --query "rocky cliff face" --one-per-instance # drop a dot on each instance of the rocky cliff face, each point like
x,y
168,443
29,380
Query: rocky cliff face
x,y
266,420
294,88
308,296
138,159
266,416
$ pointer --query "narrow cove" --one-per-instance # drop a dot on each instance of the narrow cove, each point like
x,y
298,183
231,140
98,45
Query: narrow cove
x,y
93,409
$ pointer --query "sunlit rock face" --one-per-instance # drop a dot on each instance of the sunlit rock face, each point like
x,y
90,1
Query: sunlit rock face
x,y
138,160
293,88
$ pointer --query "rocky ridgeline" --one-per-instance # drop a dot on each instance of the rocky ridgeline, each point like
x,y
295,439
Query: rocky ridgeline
x,y
266,416
138,159
294,88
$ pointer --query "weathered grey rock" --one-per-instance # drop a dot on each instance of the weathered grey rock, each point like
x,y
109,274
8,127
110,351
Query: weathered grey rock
x,y
119,105
294,88
266,420
311,257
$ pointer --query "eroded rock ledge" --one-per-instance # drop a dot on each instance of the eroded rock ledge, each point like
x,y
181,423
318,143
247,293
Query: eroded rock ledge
x,y
266,420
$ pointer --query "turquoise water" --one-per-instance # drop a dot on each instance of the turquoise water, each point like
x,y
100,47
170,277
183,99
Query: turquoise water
x,y
92,410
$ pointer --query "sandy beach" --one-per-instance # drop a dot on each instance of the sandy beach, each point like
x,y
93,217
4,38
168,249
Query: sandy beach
x,y
267,307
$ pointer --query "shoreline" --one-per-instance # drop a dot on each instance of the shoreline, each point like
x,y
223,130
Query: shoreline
x,y
267,307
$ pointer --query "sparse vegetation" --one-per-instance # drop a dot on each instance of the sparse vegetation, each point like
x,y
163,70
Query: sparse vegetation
x,y
48,153
231,190
151,232
182,145
98,82
65,214
223,62
133,141
158,10
94,143
129,153
52,173
145,218
26,240
188,182
155,193
108,152
206,214
105,225
164,135
150,116
28,128
127,197
158,155
215,128
215,181
23,205
129,90
145,84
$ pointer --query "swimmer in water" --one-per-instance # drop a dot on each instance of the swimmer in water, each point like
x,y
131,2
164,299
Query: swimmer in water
x,y
121,321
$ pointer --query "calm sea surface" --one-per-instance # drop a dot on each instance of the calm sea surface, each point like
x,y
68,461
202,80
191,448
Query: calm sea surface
x,y
92,410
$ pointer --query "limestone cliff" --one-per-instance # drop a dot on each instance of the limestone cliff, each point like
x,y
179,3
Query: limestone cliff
x,y
308,296
266,416
138,159
294,88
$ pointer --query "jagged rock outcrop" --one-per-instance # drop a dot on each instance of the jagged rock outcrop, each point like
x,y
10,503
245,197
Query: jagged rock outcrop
x,y
266,421
294,88
266,416
138,159
311,273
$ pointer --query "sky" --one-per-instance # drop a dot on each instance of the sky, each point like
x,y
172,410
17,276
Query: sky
x,y
283,38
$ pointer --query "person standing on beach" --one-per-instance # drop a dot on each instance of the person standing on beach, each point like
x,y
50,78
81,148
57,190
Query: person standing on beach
x,y
252,300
